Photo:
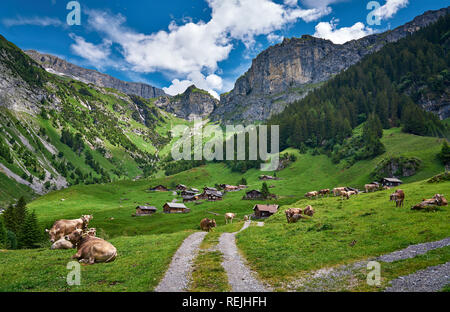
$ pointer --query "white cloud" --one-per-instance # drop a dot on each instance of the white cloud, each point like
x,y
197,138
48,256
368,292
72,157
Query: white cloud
x,y
209,83
274,38
319,3
190,49
96,54
390,8
329,30
33,21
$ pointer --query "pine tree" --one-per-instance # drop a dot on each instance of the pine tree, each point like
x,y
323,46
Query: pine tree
x,y
444,155
3,234
11,240
8,218
20,214
29,234
265,191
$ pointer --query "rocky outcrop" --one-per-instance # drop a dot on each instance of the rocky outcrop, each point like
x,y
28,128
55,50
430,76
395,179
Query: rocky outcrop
x,y
193,103
58,66
397,167
288,71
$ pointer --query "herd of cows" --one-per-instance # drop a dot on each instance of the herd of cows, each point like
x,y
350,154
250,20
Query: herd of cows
x,y
68,234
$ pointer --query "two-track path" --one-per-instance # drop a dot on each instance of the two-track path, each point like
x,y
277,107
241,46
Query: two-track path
x,y
240,277
179,273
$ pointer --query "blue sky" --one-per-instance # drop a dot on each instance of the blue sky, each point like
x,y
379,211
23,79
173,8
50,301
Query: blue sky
x,y
172,44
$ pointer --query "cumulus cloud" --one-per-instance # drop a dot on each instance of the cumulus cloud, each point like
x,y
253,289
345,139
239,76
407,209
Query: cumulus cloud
x,y
192,51
390,8
209,83
33,21
274,38
330,31
95,54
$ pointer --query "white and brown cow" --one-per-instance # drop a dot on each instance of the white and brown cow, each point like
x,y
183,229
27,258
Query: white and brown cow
x,y
337,191
371,187
309,211
62,228
312,194
229,216
91,249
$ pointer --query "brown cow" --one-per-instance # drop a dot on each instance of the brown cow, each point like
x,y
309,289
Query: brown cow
x,y
398,196
324,192
437,200
294,218
62,228
229,216
371,187
292,211
62,244
91,249
312,194
337,191
207,224
309,211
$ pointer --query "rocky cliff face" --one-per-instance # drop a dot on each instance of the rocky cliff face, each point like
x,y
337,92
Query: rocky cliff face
x,y
287,71
56,65
191,104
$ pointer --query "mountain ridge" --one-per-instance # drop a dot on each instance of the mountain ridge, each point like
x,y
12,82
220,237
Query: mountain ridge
x,y
56,65
286,72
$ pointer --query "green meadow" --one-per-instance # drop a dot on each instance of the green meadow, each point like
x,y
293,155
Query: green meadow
x,y
279,252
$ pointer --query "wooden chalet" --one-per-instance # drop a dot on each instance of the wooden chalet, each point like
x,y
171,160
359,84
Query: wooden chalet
x,y
145,210
253,194
211,195
175,208
188,193
264,211
267,178
391,182
159,188
181,187
190,198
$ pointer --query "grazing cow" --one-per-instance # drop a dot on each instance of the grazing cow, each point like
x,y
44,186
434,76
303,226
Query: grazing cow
x,y
207,224
62,228
294,218
91,249
324,192
398,197
312,194
309,211
229,216
371,187
62,244
351,193
292,211
337,191
345,194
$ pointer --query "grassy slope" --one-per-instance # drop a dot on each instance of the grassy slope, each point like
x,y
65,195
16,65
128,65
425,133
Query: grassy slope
x,y
140,265
273,250
280,251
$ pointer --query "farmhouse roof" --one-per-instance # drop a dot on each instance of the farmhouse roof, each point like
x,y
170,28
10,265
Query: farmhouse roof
x,y
146,208
268,208
176,205
393,180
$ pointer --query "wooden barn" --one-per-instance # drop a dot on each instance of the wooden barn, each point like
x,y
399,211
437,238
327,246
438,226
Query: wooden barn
x,y
145,210
211,195
264,211
188,193
159,188
267,178
190,198
175,208
391,182
253,194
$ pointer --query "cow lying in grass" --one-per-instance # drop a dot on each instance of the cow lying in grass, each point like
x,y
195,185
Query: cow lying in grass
x,y
61,228
398,197
437,200
65,244
91,249
207,224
